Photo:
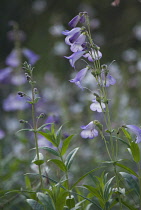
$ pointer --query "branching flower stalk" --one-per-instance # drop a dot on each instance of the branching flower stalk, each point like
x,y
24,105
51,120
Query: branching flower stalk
x,y
29,76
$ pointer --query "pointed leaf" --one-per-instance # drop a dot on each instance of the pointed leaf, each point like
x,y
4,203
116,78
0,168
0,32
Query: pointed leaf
x,y
46,200
59,163
127,134
128,205
132,182
34,204
107,189
127,169
121,140
135,151
66,143
49,137
70,157
82,177
52,151
42,126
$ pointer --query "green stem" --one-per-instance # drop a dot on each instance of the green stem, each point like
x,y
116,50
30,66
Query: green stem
x,y
35,133
139,168
117,182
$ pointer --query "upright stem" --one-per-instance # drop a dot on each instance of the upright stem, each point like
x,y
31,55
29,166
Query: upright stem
x,y
35,133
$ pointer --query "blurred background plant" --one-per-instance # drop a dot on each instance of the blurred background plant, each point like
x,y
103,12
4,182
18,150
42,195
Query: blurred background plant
x,y
32,31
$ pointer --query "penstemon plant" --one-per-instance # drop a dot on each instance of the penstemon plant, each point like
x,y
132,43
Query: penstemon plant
x,y
116,188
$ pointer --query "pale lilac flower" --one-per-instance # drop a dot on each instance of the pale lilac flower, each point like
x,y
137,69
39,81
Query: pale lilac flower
x,y
89,131
30,55
78,44
18,79
74,57
136,130
106,80
79,77
13,59
96,106
2,134
5,74
78,18
70,34
74,21
93,56
14,102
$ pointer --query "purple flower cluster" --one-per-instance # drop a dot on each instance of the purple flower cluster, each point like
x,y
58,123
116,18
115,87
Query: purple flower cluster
x,y
82,46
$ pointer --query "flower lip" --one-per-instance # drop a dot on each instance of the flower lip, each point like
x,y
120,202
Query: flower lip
x,y
89,131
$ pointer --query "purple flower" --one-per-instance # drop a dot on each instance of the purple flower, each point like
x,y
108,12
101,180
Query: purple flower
x,y
136,130
74,21
89,131
71,35
14,102
30,55
74,57
96,106
18,79
2,134
78,18
5,74
78,44
94,55
13,59
106,80
79,77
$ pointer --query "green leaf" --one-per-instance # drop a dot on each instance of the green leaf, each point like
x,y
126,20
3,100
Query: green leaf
x,y
70,157
46,200
34,204
66,143
39,161
36,100
127,169
128,205
82,177
135,151
42,126
58,135
31,130
127,134
59,163
107,189
133,184
91,201
49,137
70,201
50,150
28,183
121,140
94,191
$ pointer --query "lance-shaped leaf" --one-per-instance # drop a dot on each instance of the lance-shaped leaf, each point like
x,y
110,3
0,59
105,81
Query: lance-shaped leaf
x,y
34,204
127,169
70,157
135,151
82,177
59,163
127,134
66,143
49,137
46,200
107,189
132,182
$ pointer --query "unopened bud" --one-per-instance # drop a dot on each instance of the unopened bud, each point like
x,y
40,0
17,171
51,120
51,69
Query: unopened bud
x,y
42,115
35,90
98,124
23,121
21,94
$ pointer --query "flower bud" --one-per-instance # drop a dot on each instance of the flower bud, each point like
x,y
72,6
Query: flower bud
x,y
21,94
98,124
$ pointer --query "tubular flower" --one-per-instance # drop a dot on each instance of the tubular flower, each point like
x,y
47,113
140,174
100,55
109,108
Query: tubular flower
x,y
71,35
89,131
79,77
106,79
78,18
96,106
136,130
78,44
74,57
93,55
